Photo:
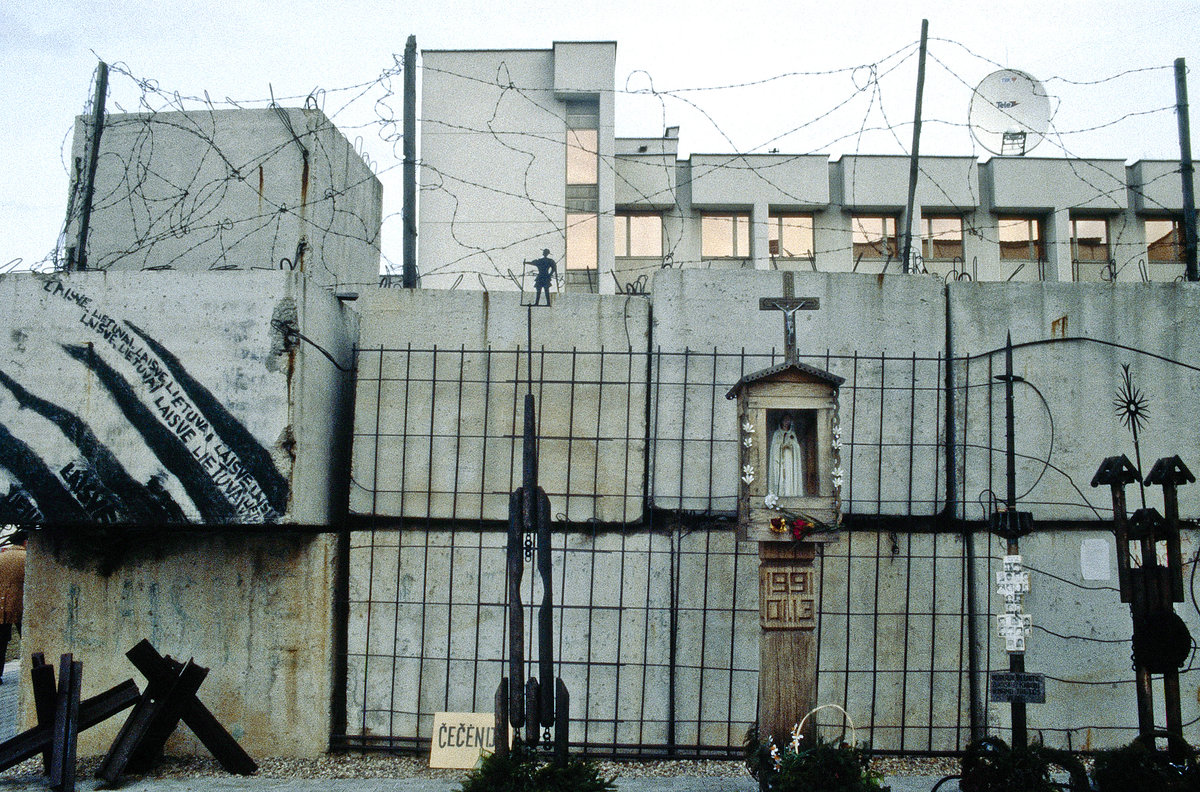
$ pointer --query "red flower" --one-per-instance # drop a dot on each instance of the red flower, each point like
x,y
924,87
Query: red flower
x,y
800,528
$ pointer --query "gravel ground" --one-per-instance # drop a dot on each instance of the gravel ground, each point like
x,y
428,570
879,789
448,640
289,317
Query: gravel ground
x,y
351,765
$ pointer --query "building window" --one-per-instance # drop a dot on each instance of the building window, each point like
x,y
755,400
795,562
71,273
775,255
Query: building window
x,y
1164,240
582,156
638,235
582,189
725,235
582,241
1089,239
941,238
875,237
790,236
1021,239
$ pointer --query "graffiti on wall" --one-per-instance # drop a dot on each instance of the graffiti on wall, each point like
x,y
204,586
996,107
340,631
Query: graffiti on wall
x,y
204,465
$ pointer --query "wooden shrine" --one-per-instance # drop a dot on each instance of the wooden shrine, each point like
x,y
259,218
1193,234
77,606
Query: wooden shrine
x,y
789,501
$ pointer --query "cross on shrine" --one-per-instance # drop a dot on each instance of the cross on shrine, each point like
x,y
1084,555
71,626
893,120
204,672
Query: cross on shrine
x,y
789,305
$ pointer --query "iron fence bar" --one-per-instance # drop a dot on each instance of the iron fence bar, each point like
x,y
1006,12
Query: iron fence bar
x,y
933,631
370,575
912,429
904,672
850,535
879,457
875,638
425,534
487,394
462,363
651,468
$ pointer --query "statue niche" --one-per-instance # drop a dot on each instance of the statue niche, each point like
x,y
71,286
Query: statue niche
x,y
789,466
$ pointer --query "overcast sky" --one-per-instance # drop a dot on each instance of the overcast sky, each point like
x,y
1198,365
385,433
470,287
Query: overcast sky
x,y
1105,64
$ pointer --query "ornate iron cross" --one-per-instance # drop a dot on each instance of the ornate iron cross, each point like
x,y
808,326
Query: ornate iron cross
x,y
789,305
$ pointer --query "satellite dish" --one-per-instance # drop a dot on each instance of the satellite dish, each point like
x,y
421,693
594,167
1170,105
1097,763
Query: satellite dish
x,y
1010,112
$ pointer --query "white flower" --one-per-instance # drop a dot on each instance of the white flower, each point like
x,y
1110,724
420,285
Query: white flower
x,y
748,473
837,477
771,501
747,427
747,441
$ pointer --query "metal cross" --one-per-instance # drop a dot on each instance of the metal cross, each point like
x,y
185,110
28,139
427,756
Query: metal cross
x,y
789,305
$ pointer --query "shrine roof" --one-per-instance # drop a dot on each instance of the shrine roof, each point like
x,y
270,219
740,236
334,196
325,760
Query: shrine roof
x,y
787,365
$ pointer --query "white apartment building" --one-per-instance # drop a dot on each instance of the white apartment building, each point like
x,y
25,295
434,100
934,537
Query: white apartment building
x,y
519,155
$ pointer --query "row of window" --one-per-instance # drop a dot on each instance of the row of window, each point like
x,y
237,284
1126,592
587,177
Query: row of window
x,y
790,236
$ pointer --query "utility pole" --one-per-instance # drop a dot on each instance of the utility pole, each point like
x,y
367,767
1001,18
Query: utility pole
x,y
410,163
1185,171
77,255
906,262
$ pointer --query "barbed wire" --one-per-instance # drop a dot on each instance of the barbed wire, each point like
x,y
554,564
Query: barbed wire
x,y
162,205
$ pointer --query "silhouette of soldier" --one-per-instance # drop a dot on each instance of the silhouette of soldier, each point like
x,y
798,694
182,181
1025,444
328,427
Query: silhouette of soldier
x,y
546,269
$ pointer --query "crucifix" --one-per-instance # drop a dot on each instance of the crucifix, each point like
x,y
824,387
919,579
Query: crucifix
x,y
789,305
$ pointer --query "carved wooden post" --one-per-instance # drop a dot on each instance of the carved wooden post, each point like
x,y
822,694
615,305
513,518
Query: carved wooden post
x,y
787,602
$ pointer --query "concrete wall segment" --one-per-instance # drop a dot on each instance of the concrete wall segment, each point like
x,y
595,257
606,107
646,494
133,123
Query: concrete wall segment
x,y
1080,381
256,610
232,189
439,423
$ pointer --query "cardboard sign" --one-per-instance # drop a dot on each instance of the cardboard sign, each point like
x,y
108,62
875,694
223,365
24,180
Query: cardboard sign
x,y
461,738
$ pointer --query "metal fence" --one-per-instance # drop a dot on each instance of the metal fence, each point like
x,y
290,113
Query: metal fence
x,y
657,627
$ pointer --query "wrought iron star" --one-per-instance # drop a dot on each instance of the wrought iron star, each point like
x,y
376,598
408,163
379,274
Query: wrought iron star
x,y
1131,403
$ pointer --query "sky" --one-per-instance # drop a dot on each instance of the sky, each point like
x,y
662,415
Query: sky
x,y
801,77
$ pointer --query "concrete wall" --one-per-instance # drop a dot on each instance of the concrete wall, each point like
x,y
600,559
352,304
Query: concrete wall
x,y
156,399
177,403
231,189
254,608
591,415
893,634
1067,422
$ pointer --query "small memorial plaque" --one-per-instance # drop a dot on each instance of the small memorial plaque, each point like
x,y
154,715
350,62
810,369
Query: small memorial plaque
x,y
1011,687
787,598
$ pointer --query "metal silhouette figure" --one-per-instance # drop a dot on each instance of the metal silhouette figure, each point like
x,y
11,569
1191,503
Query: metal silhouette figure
x,y
547,268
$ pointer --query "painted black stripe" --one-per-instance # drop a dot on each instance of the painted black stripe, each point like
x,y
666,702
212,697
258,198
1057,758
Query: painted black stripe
x,y
253,455
141,506
173,454
39,481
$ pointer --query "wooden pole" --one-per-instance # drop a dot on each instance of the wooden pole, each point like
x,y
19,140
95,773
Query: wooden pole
x,y
77,257
1185,171
913,164
410,165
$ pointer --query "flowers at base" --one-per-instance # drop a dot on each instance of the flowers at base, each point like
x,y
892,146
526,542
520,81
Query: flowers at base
x,y
796,738
798,527
796,523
